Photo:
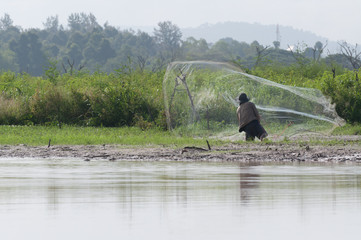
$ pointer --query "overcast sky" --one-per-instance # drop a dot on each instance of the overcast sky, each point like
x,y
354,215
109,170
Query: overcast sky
x,y
333,19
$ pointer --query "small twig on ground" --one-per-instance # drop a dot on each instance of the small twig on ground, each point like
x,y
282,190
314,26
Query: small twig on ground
x,y
209,146
186,149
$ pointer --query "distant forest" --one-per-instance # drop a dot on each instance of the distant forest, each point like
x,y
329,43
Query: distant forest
x,y
85,45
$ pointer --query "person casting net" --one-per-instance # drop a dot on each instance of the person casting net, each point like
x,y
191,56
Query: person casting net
x,y
249,119
201,97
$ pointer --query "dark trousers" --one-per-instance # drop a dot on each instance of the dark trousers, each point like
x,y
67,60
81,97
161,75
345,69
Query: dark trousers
x,y
253,129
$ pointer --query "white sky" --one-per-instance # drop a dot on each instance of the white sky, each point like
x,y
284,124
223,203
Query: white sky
x,y
333,19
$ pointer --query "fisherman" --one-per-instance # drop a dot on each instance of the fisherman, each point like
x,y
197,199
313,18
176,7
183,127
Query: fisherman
x,y
249,119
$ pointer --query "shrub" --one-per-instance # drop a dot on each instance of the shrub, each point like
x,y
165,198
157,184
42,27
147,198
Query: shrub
x,y
345,91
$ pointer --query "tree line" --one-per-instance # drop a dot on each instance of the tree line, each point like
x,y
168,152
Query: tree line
x,y
84,44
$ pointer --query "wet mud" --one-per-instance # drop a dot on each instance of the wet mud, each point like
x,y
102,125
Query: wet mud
x,y
348,150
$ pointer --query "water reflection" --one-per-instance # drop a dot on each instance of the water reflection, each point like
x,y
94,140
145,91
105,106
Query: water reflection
x,y
248,184
70,198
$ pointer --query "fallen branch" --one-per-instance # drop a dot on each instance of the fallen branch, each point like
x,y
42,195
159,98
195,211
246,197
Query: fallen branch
x,y
195,148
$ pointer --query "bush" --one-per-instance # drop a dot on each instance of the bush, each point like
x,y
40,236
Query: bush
x,y
97,99
345,91
12,111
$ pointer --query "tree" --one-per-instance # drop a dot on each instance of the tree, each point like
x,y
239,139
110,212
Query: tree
x,y
59,38
74,53
98,48
221,50
110,31
29,54
319,46
74,22
82,22
298,53
260,52
194,49
168,36
51,50
77,38
145,49
276,44
105,51
338,60
52,24
318,50
9,33
5,22
352,54
7,61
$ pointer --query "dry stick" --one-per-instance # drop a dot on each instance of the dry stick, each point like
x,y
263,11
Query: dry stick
x,y
193,148
183,80
209,146
185,149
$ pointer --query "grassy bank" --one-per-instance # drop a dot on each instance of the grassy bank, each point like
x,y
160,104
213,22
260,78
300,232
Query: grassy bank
x,y
129,136
70,135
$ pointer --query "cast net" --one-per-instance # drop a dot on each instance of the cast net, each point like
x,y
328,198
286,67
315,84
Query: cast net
x,y
202,98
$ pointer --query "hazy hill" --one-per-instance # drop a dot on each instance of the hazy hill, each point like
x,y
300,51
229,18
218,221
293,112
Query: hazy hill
x,y
248,32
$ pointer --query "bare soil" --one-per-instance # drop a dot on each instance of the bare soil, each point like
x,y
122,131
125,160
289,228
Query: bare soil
x,y
348,149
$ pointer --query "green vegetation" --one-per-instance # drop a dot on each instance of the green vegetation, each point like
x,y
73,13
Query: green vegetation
x,y
69,135
85,77
344,89
98,99
134,97
129,136
85,45
348,129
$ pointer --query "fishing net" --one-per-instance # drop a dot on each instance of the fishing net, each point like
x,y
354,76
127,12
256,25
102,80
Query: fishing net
x,y
202,97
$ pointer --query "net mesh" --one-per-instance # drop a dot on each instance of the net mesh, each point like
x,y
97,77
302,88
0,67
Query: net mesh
x,y
203,96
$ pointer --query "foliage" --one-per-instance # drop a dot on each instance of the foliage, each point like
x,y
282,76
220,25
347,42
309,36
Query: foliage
x,y
98,75
98,99
28,53
345,91
343,88
348,129
86,44
168,36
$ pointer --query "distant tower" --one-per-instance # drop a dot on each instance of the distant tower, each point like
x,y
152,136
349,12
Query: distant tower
x,y
277,43
278,35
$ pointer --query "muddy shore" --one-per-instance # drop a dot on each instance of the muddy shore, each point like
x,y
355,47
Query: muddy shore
x,y
348,150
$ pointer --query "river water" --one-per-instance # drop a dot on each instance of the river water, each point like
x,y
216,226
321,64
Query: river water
x,y
74,199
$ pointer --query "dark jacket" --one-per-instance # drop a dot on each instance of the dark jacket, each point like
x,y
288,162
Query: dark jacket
x,y
247,112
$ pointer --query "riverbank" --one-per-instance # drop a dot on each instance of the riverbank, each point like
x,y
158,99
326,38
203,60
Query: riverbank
x,y
340,149
117,144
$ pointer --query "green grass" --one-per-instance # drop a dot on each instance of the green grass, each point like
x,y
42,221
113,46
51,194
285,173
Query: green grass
x,y
70,135
128,136
348,129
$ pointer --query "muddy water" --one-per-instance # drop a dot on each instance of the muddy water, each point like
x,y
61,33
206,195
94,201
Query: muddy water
x,y
74,199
